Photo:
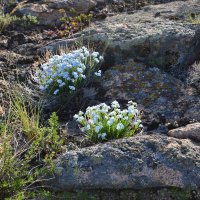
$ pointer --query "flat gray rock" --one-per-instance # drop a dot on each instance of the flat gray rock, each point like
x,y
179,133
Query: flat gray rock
x,y
155,91
191,131
135,163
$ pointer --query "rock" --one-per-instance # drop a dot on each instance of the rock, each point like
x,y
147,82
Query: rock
x,y
111,7
193,78
16,40
48,11
3,42
26,49
191,131
139,162
167,42
163,98
162,41
146,194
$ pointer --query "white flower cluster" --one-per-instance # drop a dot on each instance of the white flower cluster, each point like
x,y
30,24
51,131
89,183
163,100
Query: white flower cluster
x,y
103,122
65,73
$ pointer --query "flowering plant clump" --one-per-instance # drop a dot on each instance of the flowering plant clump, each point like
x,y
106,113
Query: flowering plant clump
x,y
103,122
63,74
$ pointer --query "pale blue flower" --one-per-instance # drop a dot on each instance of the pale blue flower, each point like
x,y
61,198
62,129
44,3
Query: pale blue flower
x,y
88,127
56,92
102,136
98,128
42,87
62,84
111,121
59,81
120,126
80,70
95,54
71,87
115,104
98,73
75,74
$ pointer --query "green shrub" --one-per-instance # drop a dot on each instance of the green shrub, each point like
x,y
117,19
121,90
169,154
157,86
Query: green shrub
x,y
28,20
194,18
8,20
70,25
103,122
27,150
63,74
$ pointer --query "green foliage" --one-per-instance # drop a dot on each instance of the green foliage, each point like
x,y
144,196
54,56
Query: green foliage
x,y
74,24
27,150
27,114
194,18
181,194
8,20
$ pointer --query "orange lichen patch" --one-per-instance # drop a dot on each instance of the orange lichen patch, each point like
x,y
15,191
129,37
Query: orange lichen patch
x,y
2,112
174,145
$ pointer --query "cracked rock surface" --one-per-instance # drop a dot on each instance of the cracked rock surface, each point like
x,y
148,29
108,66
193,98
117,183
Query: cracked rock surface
x,y
137,163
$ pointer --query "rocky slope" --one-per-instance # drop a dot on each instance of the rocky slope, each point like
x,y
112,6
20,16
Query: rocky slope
x,y
149,48
159,36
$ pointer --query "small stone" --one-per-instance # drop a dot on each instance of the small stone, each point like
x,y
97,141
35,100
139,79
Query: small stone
x,y
190,131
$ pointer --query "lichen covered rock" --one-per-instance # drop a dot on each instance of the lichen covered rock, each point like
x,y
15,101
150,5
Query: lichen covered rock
x,y
158,35
136,163
191,131
49,12
155,91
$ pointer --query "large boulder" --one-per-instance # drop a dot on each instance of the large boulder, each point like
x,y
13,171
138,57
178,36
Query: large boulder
x,y
135,163
155,91
158,35
47,11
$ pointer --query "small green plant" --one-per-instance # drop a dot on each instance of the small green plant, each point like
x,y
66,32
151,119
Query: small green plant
x,y
103,122
74,24
27,149
181,194
8,20
63,74
28,20
27,114
194,18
